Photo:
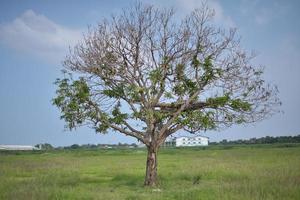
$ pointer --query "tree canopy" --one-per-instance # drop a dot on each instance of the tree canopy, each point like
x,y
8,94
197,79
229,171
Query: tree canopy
x,y
146,74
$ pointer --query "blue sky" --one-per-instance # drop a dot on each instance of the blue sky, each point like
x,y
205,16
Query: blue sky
x,y
35,35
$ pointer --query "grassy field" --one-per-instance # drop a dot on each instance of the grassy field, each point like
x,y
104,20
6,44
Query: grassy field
x,y
239,172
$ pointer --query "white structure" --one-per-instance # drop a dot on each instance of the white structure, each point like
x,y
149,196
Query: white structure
x,y
191,141
18,147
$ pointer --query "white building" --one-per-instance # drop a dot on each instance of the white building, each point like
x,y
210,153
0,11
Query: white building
x,y
18,147
191,141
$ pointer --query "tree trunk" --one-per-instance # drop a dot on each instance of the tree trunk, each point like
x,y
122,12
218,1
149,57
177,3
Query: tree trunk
x,y
151,168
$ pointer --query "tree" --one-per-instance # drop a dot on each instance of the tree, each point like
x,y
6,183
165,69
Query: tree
x,y
146,75
75,146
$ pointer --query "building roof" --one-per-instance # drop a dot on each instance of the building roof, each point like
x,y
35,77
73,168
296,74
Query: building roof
x,y
17,147
193,137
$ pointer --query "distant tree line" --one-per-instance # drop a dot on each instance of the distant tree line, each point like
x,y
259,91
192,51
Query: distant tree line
x,y
99,146
263,140
47,146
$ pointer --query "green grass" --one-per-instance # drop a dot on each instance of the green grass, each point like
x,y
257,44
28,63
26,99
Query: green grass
x,y
216,172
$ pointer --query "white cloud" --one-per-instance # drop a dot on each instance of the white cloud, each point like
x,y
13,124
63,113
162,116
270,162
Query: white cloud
x,y
36,34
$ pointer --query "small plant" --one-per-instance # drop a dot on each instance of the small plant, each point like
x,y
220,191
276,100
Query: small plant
x,y
196,180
